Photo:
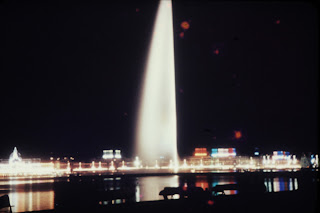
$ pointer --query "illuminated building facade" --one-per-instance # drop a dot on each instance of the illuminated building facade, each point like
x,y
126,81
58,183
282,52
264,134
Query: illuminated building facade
x,y
111,154
200,152
16,166
220,159
223,152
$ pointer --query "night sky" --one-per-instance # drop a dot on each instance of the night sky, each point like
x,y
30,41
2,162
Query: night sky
x,y
71,76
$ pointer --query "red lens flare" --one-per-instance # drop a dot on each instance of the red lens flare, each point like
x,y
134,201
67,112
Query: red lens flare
x,y
185,25
237,134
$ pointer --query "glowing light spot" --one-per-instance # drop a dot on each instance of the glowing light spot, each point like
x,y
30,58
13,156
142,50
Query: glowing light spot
x,y
210,202
185,25
185,187
181,35
137,10
278,22
216,51
237,134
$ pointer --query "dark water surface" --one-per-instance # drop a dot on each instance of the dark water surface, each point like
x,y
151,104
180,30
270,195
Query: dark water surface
x,y
44,194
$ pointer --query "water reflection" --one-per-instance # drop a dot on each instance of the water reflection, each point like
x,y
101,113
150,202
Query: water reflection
x,y
28,195
279,184
202,181
224,180
36,195
148,188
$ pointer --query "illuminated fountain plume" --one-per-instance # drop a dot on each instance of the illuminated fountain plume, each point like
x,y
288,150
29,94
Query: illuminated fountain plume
x,y
294,161
112,168
185,165
156,133
80,166
136,162
251,161
92,166
99,165
68,168
268,159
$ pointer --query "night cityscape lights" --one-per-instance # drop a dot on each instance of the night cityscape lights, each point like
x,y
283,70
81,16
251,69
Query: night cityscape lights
x,y
227,161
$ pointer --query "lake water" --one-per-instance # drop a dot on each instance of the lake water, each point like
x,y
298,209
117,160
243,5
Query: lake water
x,y
28,195
42,194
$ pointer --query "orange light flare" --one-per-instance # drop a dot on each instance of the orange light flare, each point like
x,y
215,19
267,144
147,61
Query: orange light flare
x,y
185,25
216,51
237,134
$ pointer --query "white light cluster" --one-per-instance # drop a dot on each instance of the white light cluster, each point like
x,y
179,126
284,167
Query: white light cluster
x,y
223,152
107,154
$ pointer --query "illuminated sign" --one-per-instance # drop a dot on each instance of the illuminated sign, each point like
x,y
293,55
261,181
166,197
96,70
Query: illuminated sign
x,y
200,152
117,154
223,152
280,155
107,154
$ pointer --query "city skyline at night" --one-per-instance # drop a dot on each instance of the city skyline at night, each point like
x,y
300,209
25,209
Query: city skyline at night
x,y
246,76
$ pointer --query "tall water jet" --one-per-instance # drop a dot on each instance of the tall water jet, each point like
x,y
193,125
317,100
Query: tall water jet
x,y
156,133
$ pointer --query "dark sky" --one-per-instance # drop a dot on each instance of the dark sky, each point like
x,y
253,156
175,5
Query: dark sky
x,y
71,75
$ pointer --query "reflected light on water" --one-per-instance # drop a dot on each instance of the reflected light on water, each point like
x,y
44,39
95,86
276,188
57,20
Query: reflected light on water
x,y
296,183
36,195
27,195
276,185
281,184
290,184
31,201
201,181
230,192
223,180
148,188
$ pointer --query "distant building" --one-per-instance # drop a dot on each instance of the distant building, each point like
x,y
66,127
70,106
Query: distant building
x,y
107,154
280,155
223,152
15,156
117,154
200,152
111,154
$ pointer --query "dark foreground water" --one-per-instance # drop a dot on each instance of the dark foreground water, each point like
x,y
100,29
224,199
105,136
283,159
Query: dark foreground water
x,y
45,194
